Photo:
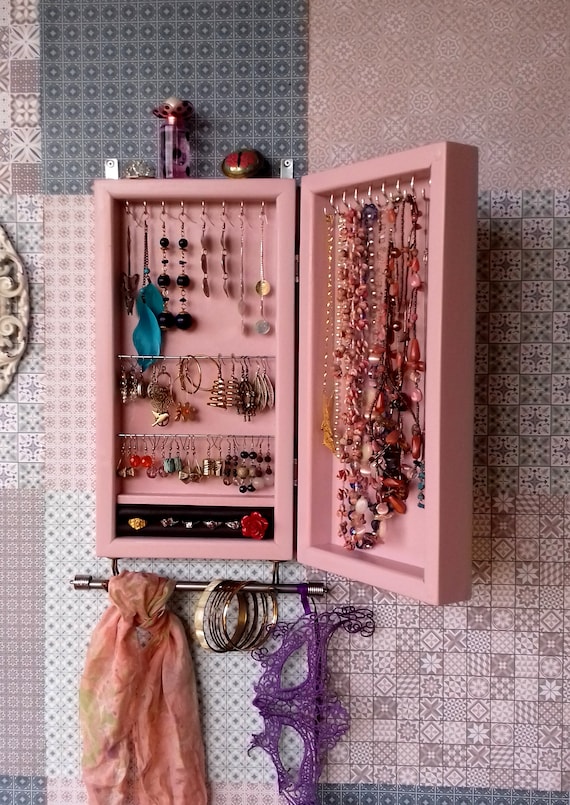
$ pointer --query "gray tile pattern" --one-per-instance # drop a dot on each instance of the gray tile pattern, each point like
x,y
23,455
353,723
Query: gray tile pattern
x,y
522,434
22,741
105,66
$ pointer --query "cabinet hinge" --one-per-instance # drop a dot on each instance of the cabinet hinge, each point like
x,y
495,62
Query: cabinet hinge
x,y
296,268
295,471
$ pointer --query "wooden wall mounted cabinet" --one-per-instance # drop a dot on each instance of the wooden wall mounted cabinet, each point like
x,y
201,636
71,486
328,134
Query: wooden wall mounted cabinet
x,y
179,464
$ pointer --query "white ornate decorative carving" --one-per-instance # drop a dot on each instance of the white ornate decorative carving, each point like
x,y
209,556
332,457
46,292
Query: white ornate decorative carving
x,y
14,310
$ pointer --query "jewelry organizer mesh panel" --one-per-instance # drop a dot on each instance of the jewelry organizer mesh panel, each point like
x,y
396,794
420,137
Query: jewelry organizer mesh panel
x,y
409,524
194,440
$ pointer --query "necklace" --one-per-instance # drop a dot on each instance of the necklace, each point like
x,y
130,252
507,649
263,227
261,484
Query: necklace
x,y
377,366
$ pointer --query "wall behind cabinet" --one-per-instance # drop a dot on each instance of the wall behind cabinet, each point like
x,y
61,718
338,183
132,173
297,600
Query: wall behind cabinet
x,y
471,694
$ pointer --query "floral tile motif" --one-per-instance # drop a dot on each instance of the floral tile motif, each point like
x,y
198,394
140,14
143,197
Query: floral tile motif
x,y
22,406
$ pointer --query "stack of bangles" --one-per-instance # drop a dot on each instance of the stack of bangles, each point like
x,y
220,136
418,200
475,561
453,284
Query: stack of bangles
x,y
228,618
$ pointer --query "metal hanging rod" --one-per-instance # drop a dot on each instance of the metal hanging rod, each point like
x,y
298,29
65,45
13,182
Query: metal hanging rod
x,y
312,588
242,436
236,358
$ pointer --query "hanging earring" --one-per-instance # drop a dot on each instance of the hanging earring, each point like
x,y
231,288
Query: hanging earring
x,y
268,474
184,471
262,287
160,396
218,390
258,481
165,319
204,253
242,307
122,470
152,470
183,320
195,471
134,457
162,462
232,388
242,472
129,281
228,467
224,252
207,463
146,459
246,394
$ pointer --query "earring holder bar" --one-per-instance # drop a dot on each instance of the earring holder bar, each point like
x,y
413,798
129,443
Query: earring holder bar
x,y
312,588
235,358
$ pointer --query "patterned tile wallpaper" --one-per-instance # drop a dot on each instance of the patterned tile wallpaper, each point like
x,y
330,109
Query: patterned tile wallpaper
x,y
104,67
22,437
522,425
477,71
472,697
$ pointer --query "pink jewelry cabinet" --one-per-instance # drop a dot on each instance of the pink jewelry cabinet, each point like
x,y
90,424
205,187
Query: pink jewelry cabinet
x,y
334,425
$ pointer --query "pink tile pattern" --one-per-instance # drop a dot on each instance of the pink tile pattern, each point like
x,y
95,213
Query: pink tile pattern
x,y
480,72
20,133
70,354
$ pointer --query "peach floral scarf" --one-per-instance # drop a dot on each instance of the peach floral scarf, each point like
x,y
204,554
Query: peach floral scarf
x,y
138,703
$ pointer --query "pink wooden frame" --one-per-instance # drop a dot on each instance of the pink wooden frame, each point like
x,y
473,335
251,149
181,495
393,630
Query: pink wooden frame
x,y
427,553
218,332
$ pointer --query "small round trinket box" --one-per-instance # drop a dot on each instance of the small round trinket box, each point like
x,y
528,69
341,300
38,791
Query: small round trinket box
x,y
244,164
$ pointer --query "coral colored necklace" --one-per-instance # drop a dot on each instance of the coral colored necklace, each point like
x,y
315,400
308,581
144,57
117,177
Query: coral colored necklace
x,y
376,364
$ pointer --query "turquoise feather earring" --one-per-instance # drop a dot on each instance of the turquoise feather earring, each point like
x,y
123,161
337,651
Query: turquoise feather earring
x,y
147,337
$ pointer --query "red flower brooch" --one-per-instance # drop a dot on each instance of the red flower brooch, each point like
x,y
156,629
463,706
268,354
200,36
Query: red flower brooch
x,y
254,525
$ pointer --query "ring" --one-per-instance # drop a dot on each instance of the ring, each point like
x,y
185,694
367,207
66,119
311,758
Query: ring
x,y
137,523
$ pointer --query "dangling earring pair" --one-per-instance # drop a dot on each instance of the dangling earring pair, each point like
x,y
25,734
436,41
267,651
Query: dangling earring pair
x,y
183,320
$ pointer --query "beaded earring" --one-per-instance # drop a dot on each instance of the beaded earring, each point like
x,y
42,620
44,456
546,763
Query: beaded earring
x,y
183,320
246,394
204,253
268,472
152,470
165,319
224,252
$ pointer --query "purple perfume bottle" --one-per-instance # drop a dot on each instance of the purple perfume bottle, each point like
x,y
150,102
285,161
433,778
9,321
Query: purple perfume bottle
x,y
174,138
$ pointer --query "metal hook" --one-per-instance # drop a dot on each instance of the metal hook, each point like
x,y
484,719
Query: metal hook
x,y
275,574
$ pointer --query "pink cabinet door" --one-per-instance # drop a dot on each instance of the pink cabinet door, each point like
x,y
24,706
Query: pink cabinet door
x,y
386,360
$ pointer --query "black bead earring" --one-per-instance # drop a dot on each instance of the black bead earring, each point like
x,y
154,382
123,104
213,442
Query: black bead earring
x,y
183,320
165,318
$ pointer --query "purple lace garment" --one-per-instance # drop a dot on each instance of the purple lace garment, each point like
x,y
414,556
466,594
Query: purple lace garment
x,y
310,709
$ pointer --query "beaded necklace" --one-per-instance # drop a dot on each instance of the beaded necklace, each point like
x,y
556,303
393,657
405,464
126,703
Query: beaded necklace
x,y
376,362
